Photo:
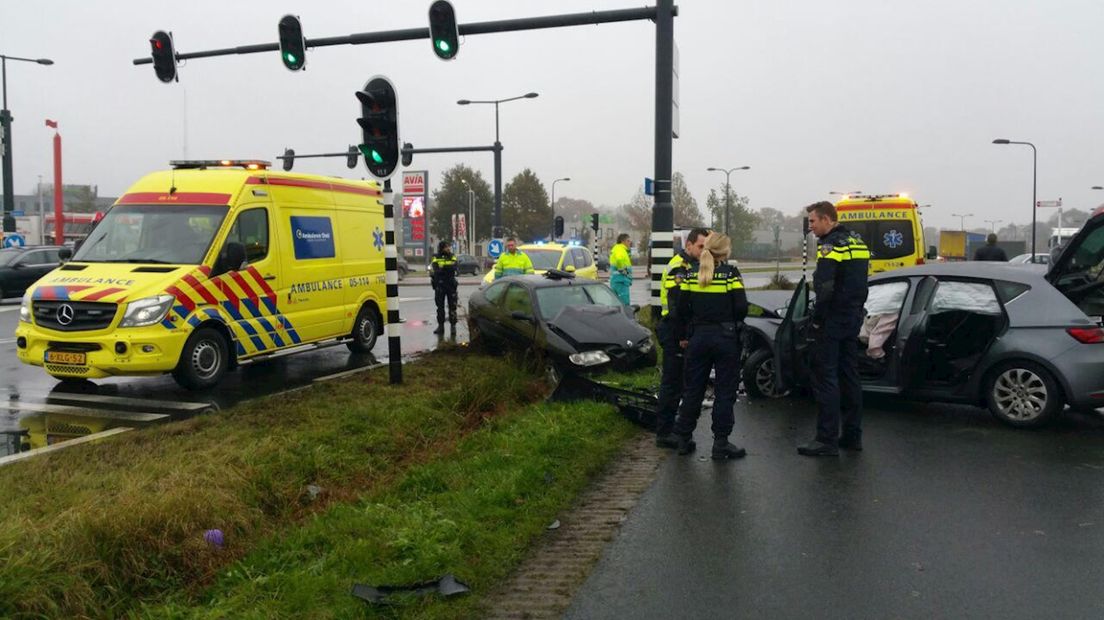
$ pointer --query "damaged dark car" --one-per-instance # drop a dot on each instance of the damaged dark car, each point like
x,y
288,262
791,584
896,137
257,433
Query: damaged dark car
x,y
573,325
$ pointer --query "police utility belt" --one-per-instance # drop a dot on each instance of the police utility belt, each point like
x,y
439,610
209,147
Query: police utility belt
x,y
726,327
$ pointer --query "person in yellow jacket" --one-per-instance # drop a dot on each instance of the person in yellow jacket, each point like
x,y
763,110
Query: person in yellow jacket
x,y
512,262
621,268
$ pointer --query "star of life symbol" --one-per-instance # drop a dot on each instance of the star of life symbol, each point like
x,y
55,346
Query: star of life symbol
x,y
893,239
377,238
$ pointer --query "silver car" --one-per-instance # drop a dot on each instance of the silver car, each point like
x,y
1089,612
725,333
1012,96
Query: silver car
x,y
1024,342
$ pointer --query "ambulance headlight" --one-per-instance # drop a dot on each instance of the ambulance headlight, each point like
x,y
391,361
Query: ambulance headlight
x,y
25,309
146,311
589,358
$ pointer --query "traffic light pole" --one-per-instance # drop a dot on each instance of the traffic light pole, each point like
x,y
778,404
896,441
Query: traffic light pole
x,y
5,124
663,213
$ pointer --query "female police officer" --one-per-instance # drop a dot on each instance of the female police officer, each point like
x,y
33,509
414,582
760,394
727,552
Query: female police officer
x,y
711,306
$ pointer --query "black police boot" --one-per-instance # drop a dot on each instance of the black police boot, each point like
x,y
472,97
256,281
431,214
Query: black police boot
x,y
853,443
440,329
723,450
817,448
667,440
686,445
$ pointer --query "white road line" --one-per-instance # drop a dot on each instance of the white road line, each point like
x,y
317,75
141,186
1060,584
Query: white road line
x,y
100,414
404,300
19,456
9,308
7,340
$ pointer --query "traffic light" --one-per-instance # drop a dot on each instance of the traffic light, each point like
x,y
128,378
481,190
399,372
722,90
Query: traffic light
x,y
559,227
351,157
164,57
594,221
443,30
293,47
379,122
289,159
407,156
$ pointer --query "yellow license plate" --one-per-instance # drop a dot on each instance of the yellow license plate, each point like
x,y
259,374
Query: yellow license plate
x,y
66,357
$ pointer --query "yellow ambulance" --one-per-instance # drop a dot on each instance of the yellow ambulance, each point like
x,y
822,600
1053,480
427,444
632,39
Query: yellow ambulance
x,y
210,265
891,227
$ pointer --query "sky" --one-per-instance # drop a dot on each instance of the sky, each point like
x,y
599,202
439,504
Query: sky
x,y
815,95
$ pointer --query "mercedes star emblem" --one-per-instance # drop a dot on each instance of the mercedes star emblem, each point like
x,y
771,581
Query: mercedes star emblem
x,y
65,314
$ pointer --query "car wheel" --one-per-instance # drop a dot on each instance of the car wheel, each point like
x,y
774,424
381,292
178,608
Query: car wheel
x,y
475,337
204,360
758,375
1023,394
366,331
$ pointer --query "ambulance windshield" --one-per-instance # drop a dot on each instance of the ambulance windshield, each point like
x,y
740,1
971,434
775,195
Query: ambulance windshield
x,y
169,234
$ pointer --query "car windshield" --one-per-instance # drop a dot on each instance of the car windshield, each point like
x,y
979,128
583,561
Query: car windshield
x,y
543,260
554,299
7,256
1089,255
886,239
172,234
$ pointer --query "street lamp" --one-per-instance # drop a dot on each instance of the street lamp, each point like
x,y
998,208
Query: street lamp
x,y
471,217
1097,187
992,224
962,219
1034,185
5,128
728,191
553,237
497,231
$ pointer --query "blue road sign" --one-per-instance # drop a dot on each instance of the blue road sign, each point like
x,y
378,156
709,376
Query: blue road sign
x,y
18,213
14,240
649,187
495,248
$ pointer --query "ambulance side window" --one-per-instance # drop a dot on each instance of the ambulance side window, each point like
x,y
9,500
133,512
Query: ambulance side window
x,y
251,230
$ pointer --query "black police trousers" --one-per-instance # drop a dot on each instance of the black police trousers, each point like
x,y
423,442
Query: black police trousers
x,y
439,295
671,381
712,347
836,385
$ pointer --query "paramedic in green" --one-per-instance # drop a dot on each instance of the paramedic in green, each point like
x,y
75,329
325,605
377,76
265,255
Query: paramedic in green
x,y
512,262
621,268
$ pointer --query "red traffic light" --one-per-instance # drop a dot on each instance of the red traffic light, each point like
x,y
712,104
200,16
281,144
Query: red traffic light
x,y
164,57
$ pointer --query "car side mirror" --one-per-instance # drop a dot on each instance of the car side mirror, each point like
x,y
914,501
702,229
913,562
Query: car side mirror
x,y
521,316
230,259
65,254
932,252
570,268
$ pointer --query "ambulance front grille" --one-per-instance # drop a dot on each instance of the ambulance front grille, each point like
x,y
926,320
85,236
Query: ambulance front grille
x,y
73,316
62,369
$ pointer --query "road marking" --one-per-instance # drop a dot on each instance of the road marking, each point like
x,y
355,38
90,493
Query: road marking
x,y
7,340
102,414
9,309
346,373
12,458
141,404
404,300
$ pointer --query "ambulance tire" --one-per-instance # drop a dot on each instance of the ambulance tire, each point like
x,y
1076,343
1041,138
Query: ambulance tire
x,y
204,360
366,331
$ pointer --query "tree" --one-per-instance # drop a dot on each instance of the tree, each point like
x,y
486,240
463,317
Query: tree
x,y
742,220
638,212
525,209
452,198
687,213
1071,218
576,214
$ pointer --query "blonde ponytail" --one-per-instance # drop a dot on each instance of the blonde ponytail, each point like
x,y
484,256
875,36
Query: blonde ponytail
x,y
716,251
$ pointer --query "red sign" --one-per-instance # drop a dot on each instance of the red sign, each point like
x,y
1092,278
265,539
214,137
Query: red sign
x,y
414,184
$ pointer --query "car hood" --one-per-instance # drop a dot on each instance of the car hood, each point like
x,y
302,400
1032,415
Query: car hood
x,y
597,326
110,282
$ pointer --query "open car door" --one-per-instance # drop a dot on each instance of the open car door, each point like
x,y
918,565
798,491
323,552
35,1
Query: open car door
x,y
1079,271
791,359
912,347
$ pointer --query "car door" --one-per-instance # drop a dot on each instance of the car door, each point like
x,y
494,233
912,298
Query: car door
x,y
489,314
791,346
584,264
519,324
910,348
29,267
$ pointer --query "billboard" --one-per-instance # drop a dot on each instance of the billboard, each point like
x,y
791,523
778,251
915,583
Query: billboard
x,y
415,202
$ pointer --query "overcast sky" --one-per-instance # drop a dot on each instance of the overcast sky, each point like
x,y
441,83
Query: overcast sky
x,y
815,95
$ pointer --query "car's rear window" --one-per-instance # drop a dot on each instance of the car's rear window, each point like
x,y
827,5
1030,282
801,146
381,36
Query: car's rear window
x,y
544,260
887,239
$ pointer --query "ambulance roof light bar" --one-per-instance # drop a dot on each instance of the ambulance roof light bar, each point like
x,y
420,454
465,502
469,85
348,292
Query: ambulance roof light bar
x,y
202,164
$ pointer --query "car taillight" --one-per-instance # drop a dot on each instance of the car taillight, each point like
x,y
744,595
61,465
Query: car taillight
x,y
1087,335
920,260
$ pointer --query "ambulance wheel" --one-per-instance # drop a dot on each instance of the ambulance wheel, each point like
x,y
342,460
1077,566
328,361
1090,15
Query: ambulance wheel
x,y
366,330
204,360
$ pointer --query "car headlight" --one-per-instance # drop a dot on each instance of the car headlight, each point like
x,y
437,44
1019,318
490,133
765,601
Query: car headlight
x,y
25,309
146,311
589,358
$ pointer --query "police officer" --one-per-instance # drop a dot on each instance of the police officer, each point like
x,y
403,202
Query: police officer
x,y
442,277
512,262
840,286
708,321
621,268
671,381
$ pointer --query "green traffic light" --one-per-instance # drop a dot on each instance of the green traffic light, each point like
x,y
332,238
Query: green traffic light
x,y
443,45
290,58
376,157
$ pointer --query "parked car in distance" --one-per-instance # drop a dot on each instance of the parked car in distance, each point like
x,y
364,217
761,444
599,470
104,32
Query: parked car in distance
x,y
1021,341
603,263
1025,259
404,267
574,324
21,267
466,264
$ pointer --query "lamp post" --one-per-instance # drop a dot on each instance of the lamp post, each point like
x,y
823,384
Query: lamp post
x,y
6,144
497,231
471,217
553,204
993,224
728,192
1034,185
962,219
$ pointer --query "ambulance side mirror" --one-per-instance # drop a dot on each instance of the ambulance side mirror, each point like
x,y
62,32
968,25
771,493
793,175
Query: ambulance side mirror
x,y
231,258
65,253
932,253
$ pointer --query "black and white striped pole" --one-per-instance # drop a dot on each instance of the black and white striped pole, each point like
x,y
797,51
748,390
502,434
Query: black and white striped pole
x,y
391,263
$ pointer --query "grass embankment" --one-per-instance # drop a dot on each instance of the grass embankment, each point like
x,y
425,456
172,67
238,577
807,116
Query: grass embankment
x,y
455,471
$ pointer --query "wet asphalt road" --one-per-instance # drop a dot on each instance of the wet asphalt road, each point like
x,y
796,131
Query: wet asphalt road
x,y
946,514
